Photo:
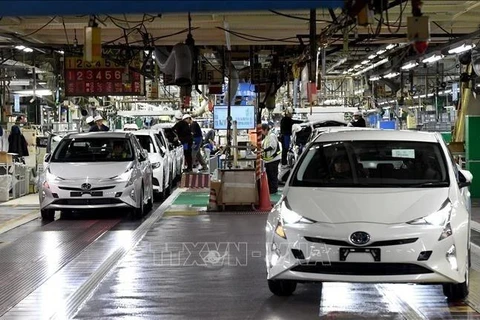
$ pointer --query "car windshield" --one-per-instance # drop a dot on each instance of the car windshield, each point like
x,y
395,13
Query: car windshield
x,y
93,150
145,142
372,164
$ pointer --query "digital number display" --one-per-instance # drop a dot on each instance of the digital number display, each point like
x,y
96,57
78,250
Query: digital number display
x,y
101,78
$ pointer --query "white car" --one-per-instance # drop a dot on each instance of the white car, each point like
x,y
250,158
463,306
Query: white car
x,y
161,164
164,131
98,170
372,206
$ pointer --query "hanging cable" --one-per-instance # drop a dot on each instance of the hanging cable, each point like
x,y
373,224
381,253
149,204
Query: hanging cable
x,y
65,30
39,29
249,37
399,19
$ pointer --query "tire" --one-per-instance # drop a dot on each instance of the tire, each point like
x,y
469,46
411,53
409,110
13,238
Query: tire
x,y
158,196
282,287
47,215
459,291
138,212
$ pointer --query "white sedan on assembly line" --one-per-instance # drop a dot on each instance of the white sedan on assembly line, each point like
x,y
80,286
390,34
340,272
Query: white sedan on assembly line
x,y
372,206
97,170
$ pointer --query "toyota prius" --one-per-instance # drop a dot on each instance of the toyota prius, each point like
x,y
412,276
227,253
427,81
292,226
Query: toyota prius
x,y
372,206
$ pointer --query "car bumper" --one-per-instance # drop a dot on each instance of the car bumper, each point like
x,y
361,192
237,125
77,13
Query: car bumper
x,y
158,179
67,196
321,260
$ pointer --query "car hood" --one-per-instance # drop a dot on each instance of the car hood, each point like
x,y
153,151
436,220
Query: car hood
x,y
85,170
371,205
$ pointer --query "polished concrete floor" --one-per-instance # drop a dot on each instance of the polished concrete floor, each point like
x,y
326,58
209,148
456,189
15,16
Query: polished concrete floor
x,y
208,266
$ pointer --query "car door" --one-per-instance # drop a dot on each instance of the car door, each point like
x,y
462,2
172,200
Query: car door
x,y
144,166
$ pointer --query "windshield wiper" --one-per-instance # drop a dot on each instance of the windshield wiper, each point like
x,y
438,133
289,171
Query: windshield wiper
x,y
429,184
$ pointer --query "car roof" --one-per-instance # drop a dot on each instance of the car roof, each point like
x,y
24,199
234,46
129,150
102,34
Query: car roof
x,y
143,132
377,135
164,125
99,134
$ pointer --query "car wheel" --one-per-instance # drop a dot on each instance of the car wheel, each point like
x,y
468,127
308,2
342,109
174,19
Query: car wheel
x,y
138,212
282,287
48,215
458,291
157,196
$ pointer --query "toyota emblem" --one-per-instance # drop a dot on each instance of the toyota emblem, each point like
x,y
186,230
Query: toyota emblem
x,y
359,238
86,186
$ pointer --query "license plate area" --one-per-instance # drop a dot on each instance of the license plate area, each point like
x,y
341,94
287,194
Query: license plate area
x,y
345,252
91,193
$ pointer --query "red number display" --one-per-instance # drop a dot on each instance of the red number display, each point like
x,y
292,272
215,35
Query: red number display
x,y
100,78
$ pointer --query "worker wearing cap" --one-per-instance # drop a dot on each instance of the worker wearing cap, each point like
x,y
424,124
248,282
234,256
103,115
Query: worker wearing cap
x,y
197,141
184,133
286,125
358,120
271,154
99,126
90,123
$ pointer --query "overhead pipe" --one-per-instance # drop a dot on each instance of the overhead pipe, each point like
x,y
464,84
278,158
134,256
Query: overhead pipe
x,y
178,63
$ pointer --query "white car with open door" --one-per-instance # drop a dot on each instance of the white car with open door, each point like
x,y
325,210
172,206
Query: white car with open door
x,y
162,175
372,206
98,170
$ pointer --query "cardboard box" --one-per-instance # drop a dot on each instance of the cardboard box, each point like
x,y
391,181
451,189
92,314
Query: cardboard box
x,y
5,157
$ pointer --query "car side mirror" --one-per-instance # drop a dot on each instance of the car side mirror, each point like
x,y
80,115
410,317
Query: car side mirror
x,y
47,157
465,178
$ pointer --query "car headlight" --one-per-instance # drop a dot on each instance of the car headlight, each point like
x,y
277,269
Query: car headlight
x,y
439,218
156,165
50,177
126,177
288,217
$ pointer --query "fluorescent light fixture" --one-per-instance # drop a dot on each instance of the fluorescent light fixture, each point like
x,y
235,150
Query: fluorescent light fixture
x,y
372,56
20,82
39,92
391,75
379,52
415,97
372,66
409,65
430,95
357,66
350,70
391,46
359,91
434,58
345,72
23,48
61,51
365,61
464,47
374,78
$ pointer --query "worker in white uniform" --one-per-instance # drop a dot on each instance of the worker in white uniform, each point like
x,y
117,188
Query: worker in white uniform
x,y
271,154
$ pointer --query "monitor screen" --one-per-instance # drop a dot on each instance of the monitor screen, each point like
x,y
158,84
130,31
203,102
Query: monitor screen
x,y
244,115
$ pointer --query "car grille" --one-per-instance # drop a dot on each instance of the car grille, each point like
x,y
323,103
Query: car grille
x,y
86,202
342,243
91,189
362,269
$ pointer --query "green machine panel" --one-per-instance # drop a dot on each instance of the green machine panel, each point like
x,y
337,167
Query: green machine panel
x,y
474,168
447,136
472,138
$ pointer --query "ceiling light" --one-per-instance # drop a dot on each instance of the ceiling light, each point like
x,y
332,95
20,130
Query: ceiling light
x,y
374,78
19,47
391,46
20,82
379,52
464,47
40,92
409,65
372,56
372,66
365,61
391,75
28,50
434,58
61,52
357,66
